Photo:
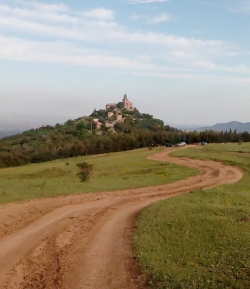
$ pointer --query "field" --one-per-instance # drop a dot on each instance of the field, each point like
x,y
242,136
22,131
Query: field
x,y
116,171
84,240
202,239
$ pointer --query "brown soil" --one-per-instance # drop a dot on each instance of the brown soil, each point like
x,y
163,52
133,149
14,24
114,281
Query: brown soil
x,y
84,241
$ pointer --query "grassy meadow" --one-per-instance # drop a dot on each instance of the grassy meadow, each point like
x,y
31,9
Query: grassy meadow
x,y
114,171
202,239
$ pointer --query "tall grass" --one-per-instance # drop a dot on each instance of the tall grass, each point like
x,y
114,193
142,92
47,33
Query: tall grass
x,y
202,239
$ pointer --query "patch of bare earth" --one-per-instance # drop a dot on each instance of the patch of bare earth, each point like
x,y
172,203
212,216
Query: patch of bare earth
x,y
84,241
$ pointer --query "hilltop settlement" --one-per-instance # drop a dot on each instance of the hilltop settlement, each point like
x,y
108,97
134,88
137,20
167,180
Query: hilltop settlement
x,y
117,117
115,112
118,127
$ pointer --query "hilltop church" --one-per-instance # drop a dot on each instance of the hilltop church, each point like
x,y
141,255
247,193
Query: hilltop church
x,y
126,104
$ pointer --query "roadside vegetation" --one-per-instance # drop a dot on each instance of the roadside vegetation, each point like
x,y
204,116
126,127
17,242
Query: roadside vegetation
x,y
109,172
202,239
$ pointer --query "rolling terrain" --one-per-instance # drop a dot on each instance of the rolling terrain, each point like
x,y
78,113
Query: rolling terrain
x,y
84,241
232,125
111,172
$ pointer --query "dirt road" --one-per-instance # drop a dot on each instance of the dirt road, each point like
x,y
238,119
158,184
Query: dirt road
x,y
84,241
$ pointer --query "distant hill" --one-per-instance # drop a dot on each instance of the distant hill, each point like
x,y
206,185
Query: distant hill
x,y
233,125
6,133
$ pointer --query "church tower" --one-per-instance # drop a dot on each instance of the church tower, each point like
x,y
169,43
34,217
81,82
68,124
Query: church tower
x,y
127,104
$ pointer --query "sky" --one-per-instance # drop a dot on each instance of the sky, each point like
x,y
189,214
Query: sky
x,y
186,62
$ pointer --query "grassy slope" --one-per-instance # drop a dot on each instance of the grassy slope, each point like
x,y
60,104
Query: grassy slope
x,y
200,240
114,171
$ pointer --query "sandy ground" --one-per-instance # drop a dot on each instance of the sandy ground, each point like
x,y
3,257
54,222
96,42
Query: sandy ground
x,y
84,241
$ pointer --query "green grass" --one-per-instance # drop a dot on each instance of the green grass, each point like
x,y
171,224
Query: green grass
x,y
115,171
202,239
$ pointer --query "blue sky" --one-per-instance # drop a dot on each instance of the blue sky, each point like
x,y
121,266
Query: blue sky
x,y
184,61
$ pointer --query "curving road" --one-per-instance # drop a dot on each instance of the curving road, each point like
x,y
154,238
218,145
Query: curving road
x,y
84,241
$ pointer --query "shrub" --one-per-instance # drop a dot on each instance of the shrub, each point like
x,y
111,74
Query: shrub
x,y
85,170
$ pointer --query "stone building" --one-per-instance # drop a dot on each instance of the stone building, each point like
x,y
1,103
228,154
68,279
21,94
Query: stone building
x,y
127,104
98,124
119,118
109,105
110,114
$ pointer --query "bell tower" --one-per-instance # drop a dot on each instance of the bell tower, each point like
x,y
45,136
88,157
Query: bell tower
x,y
127,104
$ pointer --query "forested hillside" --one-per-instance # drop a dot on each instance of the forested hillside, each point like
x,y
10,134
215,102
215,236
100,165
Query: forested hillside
x,y
82,137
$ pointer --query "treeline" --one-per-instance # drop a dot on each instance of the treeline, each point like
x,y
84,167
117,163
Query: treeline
x,y
55,146
216,137
80,137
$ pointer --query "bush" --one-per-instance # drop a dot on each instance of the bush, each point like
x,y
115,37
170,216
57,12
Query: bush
x,y
85,170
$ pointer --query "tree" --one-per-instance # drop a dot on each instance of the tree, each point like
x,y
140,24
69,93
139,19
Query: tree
x,y
85,170
104,127
101,119
80,125
120,105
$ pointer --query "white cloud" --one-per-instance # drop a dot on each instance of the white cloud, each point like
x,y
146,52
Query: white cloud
x,y
160,18
242,6
99,14
61,52
65,53
179,54
244,69
246,80
246,7
135,17
71,33
40,29
206,64
147,1
45,7
94,31
36,14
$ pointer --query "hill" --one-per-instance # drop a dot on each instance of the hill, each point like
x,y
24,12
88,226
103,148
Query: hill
x,y
233,125
118,128
5,133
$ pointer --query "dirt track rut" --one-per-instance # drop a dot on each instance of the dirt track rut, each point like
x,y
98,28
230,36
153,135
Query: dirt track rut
x,y
84,241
